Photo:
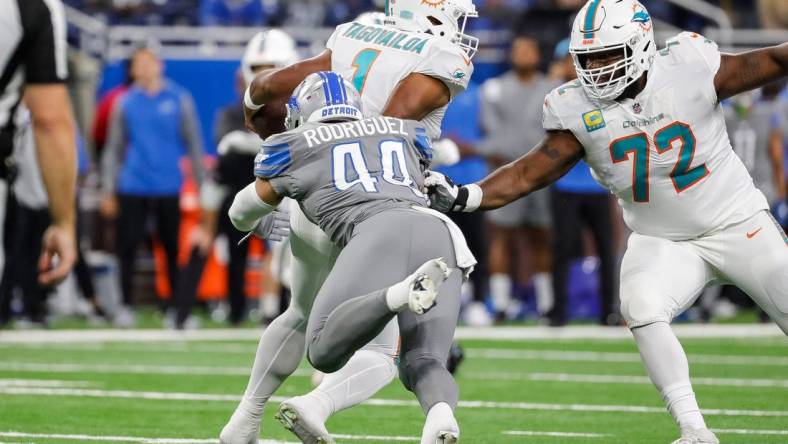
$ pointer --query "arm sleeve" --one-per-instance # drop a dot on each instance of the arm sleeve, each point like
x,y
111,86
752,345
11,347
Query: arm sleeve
x,y
190,131
114,149
43,49
447,63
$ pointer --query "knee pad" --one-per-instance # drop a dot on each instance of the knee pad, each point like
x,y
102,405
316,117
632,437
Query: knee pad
x,y
640,307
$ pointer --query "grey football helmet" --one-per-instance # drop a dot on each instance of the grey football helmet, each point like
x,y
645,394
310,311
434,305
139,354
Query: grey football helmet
x,y
321,97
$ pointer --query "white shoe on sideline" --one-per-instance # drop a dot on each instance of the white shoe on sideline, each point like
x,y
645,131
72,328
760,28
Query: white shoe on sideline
x,y
242,428
697,436
125,318
476,315
303,422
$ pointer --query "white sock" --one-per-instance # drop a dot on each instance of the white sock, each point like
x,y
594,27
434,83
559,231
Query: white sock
x,y
543,284
666,364
364,375
501,291
681,403
397,295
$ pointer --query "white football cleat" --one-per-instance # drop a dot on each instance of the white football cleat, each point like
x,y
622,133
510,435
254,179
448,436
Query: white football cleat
x,y
242,428
448,438
697,436
425,283
441,426
305,424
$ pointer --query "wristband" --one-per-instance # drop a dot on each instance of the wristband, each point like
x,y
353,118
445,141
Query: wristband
x,y
474,199
248,100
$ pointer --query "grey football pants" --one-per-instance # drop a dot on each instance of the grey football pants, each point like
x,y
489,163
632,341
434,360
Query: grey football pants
x,y
351,309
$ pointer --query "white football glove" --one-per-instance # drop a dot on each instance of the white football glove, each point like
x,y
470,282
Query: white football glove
x,y
445,195
274,226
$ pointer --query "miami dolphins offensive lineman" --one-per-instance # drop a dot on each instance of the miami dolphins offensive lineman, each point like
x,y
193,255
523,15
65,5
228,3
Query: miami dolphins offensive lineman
x,y
650,125
409,68
359,180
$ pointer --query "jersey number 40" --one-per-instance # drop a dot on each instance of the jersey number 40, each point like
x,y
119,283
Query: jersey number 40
x,y
392,162
683,175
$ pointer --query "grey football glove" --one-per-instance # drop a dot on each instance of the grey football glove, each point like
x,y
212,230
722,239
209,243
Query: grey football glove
x,y
444,195
274,226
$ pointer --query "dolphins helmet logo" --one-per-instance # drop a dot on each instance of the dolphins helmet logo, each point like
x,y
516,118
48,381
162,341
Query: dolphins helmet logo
x,y
642,18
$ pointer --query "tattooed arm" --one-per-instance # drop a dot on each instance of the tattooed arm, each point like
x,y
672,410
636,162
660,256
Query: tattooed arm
x,y
556,154
750,70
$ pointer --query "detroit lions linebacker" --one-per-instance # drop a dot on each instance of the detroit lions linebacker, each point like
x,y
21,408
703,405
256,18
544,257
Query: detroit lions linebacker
x,y
359,180
421,60
650,125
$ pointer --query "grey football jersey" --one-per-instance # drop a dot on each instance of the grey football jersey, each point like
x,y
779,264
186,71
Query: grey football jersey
x,y
749,131
343,173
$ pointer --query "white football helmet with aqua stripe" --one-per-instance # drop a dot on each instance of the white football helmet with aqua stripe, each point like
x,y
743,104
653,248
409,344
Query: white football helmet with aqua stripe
x,y
606,26
441,18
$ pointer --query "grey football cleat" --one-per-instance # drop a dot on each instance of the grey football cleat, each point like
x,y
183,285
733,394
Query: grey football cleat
x,y
303,424
697,436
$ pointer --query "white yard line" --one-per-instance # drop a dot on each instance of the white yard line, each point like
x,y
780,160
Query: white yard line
x,y
79,437
93,393
491,333
43,383
74,437
620,379
132,369
749,432
553,434
579,356
376,438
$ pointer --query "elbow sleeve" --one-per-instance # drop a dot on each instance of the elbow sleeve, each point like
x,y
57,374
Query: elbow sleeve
x,y
248,208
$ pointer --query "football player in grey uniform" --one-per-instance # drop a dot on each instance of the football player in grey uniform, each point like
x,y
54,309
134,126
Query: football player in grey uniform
x,y
360,181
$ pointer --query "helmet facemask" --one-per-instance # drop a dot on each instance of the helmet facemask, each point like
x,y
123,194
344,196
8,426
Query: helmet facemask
x,y
609,81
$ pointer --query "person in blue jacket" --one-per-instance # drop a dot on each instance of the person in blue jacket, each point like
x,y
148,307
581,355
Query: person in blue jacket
x,y
151,128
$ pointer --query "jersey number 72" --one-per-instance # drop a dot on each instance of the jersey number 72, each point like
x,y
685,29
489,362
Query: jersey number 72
x,y
683,175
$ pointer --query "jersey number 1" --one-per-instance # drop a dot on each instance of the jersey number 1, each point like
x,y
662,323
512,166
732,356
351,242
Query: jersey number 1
x,y
683,176
363,62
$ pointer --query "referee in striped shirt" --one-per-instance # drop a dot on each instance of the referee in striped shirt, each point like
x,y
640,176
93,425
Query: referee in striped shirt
x,y
33,73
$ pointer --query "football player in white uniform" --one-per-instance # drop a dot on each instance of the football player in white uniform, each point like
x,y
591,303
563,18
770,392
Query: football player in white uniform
x,y
650,125
409,68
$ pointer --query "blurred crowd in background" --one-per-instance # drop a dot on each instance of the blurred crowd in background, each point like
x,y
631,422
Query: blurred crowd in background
x,y
494,13
146,242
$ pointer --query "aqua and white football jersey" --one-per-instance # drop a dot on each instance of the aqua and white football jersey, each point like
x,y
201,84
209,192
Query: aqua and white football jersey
x,y
377,58
666,153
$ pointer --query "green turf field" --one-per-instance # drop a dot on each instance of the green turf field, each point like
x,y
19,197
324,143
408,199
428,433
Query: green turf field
x,y
535,391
